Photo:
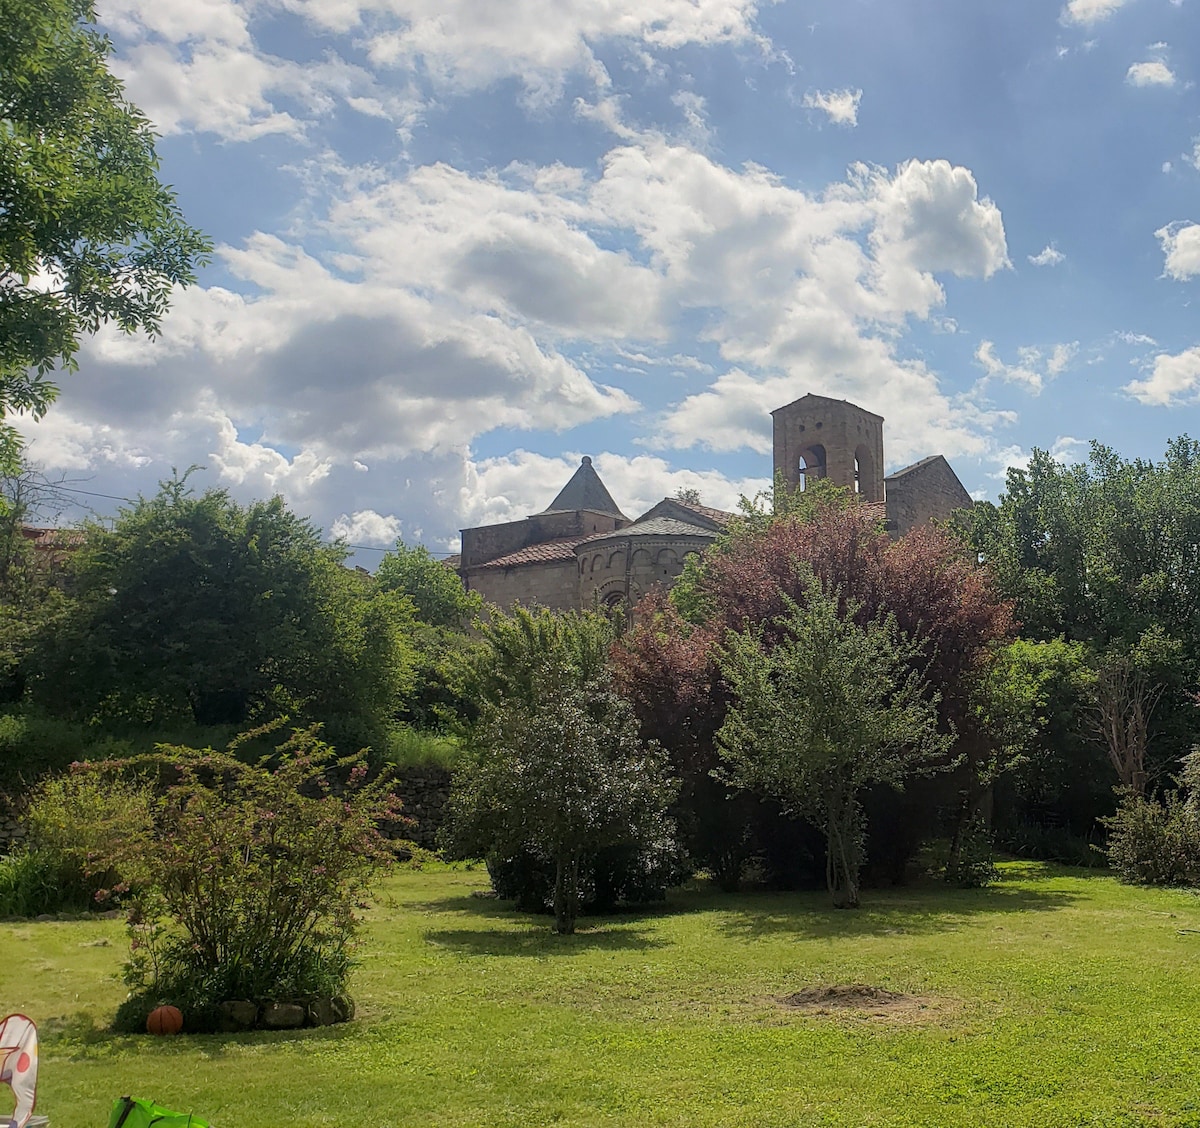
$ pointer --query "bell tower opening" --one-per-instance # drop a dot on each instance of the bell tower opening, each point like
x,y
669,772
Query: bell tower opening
x,y
813,464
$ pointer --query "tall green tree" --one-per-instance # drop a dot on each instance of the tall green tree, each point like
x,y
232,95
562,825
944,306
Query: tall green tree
x,y
88,235
1106,554
444,609
822,707
557,769
195,605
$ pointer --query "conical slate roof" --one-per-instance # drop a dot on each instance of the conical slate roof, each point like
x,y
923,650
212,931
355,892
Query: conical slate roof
x,y
585,491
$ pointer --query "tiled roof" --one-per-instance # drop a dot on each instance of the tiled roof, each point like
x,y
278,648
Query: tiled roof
x,y
585,491
53,538
562,548
452,562
716,516
656,527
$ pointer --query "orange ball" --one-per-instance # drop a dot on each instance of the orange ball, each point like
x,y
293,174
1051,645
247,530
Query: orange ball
x,y
164,1020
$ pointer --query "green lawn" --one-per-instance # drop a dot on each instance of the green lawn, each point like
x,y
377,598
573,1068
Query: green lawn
x,y
1053,998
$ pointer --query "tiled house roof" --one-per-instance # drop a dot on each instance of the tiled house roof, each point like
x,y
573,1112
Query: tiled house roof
x,y
561,548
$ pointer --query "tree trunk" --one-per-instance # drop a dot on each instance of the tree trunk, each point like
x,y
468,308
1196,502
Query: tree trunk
x,y
566,894
841,851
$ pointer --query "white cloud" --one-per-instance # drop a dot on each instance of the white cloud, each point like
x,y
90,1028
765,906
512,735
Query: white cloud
x,y
1049,255
1032,368
448,304
841,106
1181,246
1024,374
1069,450
462,46
1060,357
1173,379
507,488
1154,72
1090,11
365,526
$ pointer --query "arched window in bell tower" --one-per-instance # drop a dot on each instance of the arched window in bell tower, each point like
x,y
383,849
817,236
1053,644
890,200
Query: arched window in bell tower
x,y
812,464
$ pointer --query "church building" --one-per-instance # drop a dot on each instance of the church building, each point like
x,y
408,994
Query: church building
x,y
582,550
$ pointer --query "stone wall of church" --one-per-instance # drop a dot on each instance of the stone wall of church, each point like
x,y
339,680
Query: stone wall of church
x,y
552,584
647,561
929,493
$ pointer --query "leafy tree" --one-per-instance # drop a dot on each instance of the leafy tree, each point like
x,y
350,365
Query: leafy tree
x,y
822,708
941,599
1106,554
558,771
30,599
87,233
194,604
444,650
436,591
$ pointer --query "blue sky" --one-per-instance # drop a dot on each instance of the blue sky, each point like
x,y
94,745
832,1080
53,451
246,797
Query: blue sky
x,y
462,242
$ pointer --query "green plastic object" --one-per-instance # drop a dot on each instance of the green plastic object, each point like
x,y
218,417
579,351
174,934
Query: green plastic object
x,y
128,1112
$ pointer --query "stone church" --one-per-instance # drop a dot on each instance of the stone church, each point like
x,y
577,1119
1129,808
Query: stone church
x,y
582,549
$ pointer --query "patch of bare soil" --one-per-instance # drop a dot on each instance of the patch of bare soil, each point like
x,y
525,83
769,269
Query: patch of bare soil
x,y
872,1001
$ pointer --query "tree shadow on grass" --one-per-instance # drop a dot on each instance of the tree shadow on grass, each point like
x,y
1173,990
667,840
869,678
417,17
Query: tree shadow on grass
x,y
90,1039
917,911
540,941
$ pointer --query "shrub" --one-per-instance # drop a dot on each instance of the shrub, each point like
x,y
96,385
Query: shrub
x,y
254,875
972,866
1152,843
32,882
1051,844
93,820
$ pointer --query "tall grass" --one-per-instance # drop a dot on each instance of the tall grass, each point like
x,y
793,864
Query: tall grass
x,y
411,748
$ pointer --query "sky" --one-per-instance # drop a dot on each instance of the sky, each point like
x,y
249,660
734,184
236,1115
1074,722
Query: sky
x,y
461,243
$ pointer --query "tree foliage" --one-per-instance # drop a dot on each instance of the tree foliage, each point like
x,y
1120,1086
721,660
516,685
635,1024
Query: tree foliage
x,y
558,770
941,599
443,609
1106,554
88,235
823,706
197,605
435,590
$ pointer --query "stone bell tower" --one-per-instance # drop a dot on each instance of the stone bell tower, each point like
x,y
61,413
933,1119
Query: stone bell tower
x,y
818,437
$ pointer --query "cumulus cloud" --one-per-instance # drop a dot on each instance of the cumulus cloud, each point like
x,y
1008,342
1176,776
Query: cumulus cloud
x,y
365,526
1181,247
199,67
1173,379
840,106
1153,72
1049,255
1089,12
446,304
462,47
1032,367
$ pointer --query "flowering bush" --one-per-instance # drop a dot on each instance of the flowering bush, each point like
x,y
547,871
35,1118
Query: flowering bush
x,y
252,877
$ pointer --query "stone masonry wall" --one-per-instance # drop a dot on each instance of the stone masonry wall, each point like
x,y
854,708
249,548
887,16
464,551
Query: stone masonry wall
x,y
925,493
552,584
424,794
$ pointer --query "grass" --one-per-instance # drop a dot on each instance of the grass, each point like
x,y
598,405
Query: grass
x,y
411,748
1055,998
